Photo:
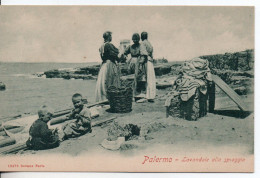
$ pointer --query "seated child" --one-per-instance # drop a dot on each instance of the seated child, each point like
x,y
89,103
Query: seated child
x,y
41,137
81,113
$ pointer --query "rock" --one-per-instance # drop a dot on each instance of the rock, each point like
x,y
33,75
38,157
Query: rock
x,y
2,86
113,145
39,74
162,70
90,72
94,112
249,74
241,90
163,85
128,146
143,100
243,60
67,75
128,131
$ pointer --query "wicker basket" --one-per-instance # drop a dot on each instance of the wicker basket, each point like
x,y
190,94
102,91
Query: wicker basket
x,y
120,99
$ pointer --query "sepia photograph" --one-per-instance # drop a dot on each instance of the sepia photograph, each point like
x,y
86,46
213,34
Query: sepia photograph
x,y
127,88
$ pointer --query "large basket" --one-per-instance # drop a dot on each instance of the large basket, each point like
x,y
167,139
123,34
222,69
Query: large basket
x,y
120,99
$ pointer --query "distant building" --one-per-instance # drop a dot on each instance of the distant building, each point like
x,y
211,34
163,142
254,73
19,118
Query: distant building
x,y
124,44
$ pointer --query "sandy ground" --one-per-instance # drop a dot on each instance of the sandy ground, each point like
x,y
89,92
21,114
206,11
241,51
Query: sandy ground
x,y
214,133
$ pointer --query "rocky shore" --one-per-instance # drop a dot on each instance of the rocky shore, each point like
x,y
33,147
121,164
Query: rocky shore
x,y
91,72
236,69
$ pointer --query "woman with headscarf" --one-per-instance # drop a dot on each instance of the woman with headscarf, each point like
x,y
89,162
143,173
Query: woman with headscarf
x,y
109,72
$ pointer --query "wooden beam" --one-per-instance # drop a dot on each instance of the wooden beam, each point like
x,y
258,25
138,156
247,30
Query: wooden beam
x,y
6,142
62,116
55,114
13,148
13,130
212,97
100,122
230,92
8,127
22,146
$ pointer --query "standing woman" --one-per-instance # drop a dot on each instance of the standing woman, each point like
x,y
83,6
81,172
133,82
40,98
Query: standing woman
x,y
146,52
133,66
109,72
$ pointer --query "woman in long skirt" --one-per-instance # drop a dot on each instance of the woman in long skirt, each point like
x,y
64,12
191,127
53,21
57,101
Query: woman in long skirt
x,y
109,74
146,51
134,67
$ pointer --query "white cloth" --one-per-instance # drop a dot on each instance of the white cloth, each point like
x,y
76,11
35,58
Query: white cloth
x,y
151,80
102,49
100,93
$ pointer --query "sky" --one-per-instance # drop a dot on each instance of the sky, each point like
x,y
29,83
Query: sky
x,y
74,33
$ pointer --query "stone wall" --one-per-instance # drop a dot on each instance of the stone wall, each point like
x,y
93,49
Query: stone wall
x,y
237,61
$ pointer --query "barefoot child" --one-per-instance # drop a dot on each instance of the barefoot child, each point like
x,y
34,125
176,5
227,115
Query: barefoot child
x,y
82,124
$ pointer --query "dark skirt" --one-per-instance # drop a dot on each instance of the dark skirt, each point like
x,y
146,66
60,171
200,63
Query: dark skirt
x,y
113,75
37,143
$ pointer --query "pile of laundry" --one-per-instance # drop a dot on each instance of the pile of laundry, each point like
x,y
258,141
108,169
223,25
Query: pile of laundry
x,y
194,76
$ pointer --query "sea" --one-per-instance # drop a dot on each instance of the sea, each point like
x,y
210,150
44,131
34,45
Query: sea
x,y
25,93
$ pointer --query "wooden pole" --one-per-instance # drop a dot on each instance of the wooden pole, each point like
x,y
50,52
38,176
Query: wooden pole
x,y
59,118
13,148
13,130
230,92
67,111
167,111
55,114
7,127
212,97
100,122
6,142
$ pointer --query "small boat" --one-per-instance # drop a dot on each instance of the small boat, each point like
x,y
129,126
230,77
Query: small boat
x,y
2,86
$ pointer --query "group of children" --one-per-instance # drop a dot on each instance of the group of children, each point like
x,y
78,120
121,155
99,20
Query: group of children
x,y
41,137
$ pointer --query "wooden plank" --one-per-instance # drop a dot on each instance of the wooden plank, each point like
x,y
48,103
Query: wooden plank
x,y
13,130
13,148
163,85
8,127
55,114
22,146
98,103
212,97
6,142
62,117
230,93
100,122
3,119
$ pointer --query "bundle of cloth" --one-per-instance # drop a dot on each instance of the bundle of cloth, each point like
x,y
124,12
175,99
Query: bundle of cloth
x,y
195,74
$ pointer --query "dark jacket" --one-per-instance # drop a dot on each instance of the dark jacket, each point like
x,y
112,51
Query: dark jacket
x,y
41,137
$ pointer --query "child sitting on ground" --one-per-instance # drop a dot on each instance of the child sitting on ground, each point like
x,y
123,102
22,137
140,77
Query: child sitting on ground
x,y
41,137
81,113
